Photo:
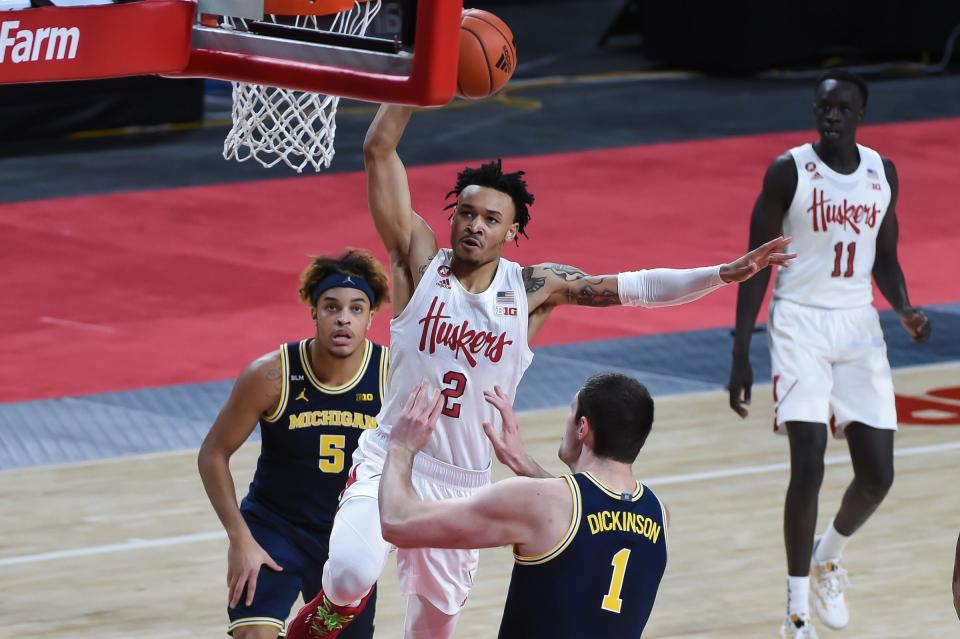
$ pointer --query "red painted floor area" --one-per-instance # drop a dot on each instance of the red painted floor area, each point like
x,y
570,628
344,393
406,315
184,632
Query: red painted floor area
x,y
152,288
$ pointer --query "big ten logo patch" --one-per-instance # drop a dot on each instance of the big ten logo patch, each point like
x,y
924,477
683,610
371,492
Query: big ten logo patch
x,y
364,397
509,311
939,407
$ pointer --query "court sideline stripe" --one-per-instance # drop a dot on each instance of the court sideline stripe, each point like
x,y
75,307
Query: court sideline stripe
x,y
740,471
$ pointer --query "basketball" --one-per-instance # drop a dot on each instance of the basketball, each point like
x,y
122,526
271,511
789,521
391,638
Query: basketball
x,y
488,55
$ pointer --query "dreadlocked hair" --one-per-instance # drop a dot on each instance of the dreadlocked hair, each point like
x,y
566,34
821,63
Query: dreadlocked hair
x,y
352,262
491,175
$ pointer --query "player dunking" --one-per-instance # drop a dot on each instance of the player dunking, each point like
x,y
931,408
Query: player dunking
x,y
838,201
590,548
464,318
312,398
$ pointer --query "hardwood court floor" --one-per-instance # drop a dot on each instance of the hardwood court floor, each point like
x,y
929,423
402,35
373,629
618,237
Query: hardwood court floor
x,y
144,556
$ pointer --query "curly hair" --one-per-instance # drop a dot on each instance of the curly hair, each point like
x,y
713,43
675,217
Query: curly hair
x,y
491,175
353,261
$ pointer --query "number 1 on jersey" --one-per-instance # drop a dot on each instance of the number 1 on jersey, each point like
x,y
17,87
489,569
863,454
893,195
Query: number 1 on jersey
x,y
612,600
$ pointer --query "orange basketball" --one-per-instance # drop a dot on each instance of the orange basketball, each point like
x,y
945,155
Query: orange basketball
x,y
488,55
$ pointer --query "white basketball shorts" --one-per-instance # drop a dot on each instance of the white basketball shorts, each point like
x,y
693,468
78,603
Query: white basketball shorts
x,y
829,366
442,576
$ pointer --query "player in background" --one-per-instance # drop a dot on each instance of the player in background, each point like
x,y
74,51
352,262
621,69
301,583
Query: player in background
x,y
837,200
312,398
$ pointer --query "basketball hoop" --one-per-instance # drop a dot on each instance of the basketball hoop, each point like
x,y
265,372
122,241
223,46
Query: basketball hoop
x,y
273,125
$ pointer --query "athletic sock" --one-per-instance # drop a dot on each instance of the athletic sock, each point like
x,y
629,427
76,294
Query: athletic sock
x,y
798,595
831,545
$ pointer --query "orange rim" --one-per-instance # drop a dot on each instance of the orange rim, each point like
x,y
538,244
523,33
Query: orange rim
x,y
306,7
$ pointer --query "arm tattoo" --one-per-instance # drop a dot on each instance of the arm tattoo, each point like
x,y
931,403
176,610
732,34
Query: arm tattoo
x,y
590,296
581,289
566,273
274,374
426,265
532,284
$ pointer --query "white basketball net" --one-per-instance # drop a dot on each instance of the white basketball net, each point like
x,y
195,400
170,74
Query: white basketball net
x,y
273,125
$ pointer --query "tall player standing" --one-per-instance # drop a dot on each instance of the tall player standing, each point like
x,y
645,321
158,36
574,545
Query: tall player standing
x,y
312,399
463,319
837,199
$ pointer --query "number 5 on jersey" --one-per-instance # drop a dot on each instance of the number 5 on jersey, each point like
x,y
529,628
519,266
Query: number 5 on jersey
x,y
331,453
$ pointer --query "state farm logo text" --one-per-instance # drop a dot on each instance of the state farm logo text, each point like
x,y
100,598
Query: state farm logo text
x,y
27,45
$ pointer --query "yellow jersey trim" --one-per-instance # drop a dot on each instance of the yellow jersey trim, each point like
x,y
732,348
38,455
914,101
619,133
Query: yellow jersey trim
x,y
567,538
256,621
335,390
284,386
384,370
613,492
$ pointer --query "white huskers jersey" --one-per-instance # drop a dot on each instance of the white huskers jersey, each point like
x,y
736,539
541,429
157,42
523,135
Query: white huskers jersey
x,y
834,220
462,343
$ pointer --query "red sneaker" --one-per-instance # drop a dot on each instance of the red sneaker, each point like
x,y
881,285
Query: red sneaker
x,y
323,619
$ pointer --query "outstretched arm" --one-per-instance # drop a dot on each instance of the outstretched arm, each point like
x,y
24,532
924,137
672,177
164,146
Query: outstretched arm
x,y
554,284
500,514
779,184
406,236
886,266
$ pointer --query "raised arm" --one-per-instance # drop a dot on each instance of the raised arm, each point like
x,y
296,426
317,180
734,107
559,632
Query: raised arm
x,y
779,184
886,266
256,392
409,240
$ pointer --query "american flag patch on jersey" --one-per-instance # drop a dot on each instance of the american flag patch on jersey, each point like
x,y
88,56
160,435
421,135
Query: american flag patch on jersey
x,y
506,303
871,174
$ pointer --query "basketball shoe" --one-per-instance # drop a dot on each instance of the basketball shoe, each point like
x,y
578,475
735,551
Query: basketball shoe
x,y
797,626
829,580
323,619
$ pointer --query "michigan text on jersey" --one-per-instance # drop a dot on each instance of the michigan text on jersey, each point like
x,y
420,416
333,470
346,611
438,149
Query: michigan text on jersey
x,y
344,418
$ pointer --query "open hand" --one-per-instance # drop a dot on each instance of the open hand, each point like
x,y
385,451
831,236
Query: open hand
x,y
507,445
244,559
418,418
771,253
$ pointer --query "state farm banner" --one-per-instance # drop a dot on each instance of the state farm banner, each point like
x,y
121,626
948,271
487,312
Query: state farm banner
x,y
46,44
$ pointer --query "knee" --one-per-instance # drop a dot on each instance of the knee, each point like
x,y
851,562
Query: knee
x,y
346,580
875,485
806,472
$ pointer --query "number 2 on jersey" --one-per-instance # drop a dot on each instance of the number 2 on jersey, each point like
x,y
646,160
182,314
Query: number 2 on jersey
x,y
331,453
459,384
612,600
838,257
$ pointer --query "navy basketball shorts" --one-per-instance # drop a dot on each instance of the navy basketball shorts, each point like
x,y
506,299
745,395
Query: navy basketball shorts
x,y
302,556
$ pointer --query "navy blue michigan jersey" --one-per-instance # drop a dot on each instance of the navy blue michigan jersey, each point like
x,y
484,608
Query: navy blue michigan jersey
x,y
308,441
601,580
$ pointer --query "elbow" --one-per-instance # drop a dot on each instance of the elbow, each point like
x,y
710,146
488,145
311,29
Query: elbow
x,y
207,458
377,146
394,531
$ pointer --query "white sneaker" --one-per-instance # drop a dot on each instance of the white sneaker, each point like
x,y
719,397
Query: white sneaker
x,y
829,580
797,626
